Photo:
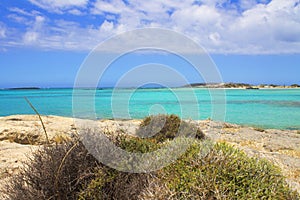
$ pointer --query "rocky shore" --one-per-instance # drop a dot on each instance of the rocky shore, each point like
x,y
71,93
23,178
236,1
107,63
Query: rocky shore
x,y
22,134
241,86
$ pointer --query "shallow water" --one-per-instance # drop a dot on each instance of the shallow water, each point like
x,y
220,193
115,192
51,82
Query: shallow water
x,y
266,108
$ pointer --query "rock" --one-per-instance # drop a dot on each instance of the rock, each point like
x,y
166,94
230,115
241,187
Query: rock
x,y
27,129
12,155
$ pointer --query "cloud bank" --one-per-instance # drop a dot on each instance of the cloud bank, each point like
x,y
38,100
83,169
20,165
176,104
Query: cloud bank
x,y
242,27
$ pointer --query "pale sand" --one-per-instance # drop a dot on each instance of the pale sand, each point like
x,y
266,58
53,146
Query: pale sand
x,y
21,134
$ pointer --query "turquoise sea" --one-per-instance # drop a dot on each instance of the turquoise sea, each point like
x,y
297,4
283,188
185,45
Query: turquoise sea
x,y
266,108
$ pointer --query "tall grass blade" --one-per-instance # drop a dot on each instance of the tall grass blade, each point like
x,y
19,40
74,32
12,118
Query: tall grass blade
x,y
38,114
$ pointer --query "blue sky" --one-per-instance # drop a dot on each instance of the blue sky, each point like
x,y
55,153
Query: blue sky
x,y
44,42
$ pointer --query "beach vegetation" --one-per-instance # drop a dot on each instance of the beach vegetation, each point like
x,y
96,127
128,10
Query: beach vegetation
x,y
236,85
295,85
57,171
225,173
164,127
68,171
259,129
61,138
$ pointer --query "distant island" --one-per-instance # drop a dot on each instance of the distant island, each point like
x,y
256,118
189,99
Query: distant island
x,y
24,88
239,85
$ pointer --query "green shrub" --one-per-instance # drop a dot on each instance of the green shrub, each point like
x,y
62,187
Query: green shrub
x,y
136,144
163,127
112,184
224,173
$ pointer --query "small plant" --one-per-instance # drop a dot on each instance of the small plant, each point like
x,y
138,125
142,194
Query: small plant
x,y
224,173
112,184
259,129
137,145
163,127
40,118
61,138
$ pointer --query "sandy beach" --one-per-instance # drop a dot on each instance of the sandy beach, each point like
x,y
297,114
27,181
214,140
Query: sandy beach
x,y
22,134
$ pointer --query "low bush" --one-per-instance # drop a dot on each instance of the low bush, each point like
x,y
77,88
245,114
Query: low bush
x,y
163,127
137,145
224,173
58,171
112,184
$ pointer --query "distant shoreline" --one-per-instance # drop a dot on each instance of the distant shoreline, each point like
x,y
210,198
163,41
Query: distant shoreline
x,y
214,88
241,86
192,85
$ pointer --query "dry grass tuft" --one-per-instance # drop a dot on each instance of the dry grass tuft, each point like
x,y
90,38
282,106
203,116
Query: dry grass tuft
x,y
45,176
61,138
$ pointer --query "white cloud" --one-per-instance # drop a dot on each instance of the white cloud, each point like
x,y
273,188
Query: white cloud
x,y
270,28
215,38
196,16
22,16
17,18
247,27
107,26
39,20
23,12
75,12
33,33
30,37
2,31
115,6
59,5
